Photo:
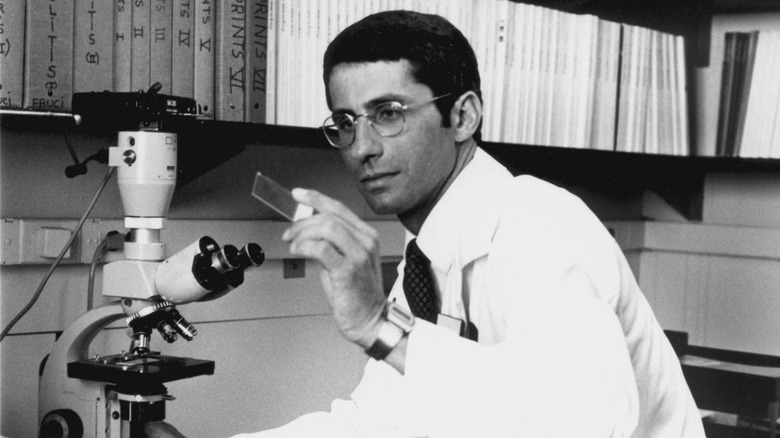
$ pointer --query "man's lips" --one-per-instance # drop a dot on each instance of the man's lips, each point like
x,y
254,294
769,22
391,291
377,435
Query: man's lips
x,y
376,178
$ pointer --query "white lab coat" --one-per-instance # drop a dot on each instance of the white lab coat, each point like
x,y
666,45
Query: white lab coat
x,y
567,343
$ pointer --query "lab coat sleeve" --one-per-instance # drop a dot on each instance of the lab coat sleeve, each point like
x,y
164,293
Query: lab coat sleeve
x,y
317,424
545,380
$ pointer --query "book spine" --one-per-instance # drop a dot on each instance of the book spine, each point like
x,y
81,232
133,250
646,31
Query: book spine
x,y
321,109
183,50
271,62
499,41
122,45
652,102
48,79
283,70
205,48
230,76
727,71
257,61
93,46
140,43
12,17
160,44
682,95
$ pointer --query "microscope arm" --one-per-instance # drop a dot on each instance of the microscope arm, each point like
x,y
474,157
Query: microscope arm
x,y
73,345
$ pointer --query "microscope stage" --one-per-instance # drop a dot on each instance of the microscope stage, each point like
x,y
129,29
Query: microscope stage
x,y
139,370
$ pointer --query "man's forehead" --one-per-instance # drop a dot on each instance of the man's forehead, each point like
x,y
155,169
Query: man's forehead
x,y
356,86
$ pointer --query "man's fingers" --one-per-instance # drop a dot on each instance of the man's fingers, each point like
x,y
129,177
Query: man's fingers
x,y
320,250
325,204
339,235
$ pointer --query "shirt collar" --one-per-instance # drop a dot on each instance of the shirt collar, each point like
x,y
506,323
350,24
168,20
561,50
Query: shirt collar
x,y
461,225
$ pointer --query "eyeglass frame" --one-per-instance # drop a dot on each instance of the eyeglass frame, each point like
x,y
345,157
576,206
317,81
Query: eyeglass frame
x,y
371,114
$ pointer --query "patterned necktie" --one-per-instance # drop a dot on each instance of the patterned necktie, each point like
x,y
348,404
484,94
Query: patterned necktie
x,y
418,284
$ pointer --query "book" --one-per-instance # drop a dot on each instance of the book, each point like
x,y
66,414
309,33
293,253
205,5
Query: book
x,y
563,70
727,72
751,41
272,57
48,77
739,77
93,46
631,93
762,98
498,45
257,61
285,54
586,81
122,45
320,105
544,110
522,41
512,77
12,15
605,98
480,31
665,112
643,91
683,145
230,68
529,133
774,145
183,49
651,144
139,46
161,44
204,57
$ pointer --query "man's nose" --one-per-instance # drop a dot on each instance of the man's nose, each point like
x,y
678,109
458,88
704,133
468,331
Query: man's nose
x,y
367,142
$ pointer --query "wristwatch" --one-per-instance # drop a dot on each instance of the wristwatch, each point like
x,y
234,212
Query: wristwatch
x,y
397,323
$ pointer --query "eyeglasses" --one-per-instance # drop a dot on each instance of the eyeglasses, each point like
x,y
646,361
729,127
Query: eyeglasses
x,y
388,120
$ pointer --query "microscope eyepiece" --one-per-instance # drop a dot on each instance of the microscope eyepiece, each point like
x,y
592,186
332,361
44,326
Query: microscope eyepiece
x,y
226,259
251,255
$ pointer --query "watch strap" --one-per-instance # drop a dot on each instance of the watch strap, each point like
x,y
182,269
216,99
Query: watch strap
x,y
397,323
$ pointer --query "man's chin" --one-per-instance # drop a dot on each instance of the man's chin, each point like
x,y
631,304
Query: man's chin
x,y
381,205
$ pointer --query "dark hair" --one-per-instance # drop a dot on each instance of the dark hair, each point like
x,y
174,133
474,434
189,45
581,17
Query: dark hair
x,y
441,57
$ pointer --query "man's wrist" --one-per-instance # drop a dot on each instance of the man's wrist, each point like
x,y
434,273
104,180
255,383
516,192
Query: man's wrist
x,y
396,323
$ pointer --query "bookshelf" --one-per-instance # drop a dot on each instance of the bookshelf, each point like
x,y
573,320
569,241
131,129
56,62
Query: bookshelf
x,y
677,179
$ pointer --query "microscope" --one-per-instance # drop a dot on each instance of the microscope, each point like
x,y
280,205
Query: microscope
x,y
115,395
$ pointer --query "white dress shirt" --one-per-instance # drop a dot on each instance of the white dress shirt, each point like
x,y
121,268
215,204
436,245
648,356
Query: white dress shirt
x,y
568,345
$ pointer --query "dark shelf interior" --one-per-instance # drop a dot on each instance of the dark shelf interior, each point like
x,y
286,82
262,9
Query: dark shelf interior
x,y
204,144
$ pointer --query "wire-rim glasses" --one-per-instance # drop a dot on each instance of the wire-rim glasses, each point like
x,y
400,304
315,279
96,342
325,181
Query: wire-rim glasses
x,y
388,120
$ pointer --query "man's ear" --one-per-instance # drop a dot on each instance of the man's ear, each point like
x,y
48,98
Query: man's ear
x,y
466,115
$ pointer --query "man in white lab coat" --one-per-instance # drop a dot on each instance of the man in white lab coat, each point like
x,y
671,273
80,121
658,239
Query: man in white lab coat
x,y
566,344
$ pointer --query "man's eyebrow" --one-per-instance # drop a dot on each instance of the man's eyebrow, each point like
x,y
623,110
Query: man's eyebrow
x,y
390,97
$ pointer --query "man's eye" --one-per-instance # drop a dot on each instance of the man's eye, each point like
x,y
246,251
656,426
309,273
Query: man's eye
x,y
388,113
343,123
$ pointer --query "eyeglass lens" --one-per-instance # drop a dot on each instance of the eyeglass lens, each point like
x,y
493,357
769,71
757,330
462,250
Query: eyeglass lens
x,y
387,119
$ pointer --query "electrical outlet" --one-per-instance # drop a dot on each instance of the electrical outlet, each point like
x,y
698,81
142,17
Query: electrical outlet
x,y
293,268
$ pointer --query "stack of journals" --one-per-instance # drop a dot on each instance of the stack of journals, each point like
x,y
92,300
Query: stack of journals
x,y
749,111
548,77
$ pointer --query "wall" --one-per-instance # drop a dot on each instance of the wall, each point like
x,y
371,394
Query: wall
x,y
719,283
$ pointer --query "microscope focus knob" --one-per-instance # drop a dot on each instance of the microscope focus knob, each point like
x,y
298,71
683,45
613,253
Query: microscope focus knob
x,y
129,157
62,423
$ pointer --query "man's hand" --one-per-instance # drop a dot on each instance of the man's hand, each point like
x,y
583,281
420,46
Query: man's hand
x,y
348,252
161,429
